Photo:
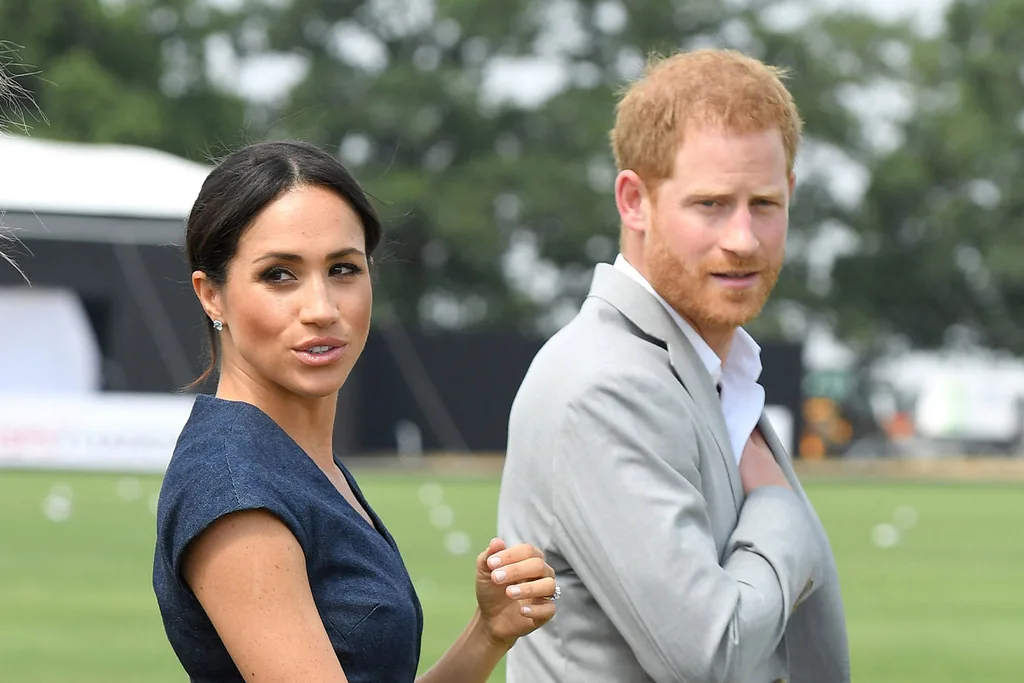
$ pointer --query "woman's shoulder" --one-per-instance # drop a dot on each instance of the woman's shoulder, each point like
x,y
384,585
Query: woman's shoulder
x,y
228,438
229,457
214,421
233,453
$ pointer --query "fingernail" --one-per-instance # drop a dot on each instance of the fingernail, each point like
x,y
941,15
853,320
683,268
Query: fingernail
x,y
514,591
525,609
493,561
499,575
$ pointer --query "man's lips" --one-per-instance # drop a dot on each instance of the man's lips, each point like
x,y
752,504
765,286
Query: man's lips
x,y
736,279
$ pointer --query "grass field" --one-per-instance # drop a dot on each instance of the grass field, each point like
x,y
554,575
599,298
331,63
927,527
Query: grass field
x,y
941,603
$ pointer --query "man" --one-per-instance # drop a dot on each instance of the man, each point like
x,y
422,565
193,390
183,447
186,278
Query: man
x,y
639,456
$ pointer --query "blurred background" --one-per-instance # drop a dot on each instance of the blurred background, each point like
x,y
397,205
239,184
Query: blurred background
x,y
893,345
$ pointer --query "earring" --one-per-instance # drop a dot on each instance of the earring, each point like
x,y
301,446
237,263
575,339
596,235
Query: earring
x,y
218,325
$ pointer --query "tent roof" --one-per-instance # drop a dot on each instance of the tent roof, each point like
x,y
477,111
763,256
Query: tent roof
x,y
49,177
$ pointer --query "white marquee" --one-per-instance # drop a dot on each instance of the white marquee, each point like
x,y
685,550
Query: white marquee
x,y
45,176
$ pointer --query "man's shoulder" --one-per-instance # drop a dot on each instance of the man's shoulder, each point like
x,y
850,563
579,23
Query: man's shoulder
x,y
599,336
598,350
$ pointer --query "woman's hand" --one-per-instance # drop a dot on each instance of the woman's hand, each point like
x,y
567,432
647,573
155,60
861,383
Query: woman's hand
x,y
515,591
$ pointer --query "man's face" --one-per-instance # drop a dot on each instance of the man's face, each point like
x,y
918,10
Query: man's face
x,y
716,239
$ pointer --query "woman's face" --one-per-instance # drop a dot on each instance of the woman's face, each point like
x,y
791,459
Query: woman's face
x,y
297,299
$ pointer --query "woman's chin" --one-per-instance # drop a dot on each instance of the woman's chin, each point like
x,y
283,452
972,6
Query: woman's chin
x,y
315,391
326,385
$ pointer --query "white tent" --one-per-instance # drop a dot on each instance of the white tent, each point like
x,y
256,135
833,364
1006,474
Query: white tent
x,y
46,342
48,177
99,225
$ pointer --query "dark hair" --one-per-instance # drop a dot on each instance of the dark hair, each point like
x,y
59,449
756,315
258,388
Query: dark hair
x,y
15,99
241,186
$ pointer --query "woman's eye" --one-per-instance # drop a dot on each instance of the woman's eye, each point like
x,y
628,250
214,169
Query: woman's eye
x,y
346,269
277,275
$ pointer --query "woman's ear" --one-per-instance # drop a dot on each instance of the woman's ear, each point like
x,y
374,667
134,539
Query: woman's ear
x,y
208,294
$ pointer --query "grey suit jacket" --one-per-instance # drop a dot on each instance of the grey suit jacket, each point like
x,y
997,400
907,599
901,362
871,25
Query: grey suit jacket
x,y
620,468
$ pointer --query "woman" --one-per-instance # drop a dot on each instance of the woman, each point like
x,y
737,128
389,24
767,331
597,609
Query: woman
x,y
270,565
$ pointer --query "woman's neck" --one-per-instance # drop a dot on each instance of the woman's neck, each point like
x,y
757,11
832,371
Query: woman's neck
x,y
308,421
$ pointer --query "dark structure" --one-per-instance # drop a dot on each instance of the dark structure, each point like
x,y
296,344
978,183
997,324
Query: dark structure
x,y
457,388
450,391
133,281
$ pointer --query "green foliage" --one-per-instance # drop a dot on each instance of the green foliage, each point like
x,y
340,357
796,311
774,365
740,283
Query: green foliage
x,y
123,72
941,222
466,178
498,207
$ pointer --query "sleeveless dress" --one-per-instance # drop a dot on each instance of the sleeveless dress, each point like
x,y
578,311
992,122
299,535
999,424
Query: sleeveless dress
x,y
231,456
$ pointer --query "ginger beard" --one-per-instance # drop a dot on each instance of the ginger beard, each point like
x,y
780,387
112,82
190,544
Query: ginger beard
x,y
693,292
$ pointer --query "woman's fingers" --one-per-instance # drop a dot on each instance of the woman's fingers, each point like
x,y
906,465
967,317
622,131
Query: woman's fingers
x,y
541,588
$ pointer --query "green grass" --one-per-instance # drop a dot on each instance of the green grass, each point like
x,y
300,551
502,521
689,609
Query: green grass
x,y
945,604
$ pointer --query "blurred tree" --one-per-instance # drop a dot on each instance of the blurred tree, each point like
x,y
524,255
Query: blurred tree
x,y
126,71
942,222
480,126
483,127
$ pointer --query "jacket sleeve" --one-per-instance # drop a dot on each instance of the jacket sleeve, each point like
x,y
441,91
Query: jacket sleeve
x,y
635,528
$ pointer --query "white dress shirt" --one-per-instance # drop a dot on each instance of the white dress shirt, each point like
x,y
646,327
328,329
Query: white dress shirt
x,y
741,396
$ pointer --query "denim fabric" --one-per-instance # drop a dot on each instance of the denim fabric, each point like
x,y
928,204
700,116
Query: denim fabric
x,y
231,456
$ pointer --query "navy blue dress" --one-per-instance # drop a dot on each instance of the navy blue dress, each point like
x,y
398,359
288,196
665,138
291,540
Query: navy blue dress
x,y
231,456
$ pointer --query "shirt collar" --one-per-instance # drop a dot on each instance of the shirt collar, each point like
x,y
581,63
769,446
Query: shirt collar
x,y
744,360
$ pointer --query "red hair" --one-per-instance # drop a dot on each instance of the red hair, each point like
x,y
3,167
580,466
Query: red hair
x,y
709,87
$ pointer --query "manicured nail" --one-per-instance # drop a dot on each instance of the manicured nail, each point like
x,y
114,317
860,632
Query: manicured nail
x,y
525,609
493,561
514,591
499,575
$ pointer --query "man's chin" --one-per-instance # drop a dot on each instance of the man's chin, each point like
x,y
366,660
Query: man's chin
x,y
730,316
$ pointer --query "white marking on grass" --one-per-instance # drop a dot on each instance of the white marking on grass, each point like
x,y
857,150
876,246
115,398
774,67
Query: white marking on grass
x,y
905,517
885,535
57,508
431,494
442,516
129,488
62,490
457,542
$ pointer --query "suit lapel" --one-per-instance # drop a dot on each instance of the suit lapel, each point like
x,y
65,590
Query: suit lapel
x,y
647,313
695,378
778,450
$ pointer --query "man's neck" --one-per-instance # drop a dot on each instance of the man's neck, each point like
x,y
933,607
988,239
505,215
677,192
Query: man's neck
x,y
720,341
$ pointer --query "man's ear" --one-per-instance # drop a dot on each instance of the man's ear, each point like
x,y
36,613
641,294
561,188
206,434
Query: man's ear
x,y
208,294
633,201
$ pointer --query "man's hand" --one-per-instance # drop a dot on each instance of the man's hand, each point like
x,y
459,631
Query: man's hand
x,y
758,467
